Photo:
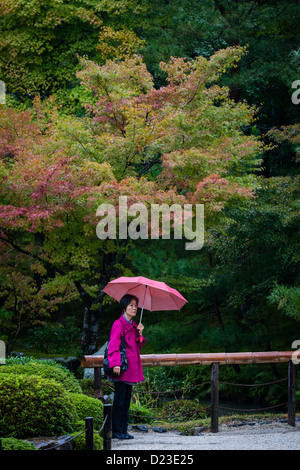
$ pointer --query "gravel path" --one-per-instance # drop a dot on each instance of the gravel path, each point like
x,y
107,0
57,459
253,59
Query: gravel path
x,y
265,436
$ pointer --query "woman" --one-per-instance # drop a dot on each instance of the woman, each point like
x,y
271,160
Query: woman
x,y
134,340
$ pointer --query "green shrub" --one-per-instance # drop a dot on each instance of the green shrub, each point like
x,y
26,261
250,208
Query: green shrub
x,y
183,410
87,386
139,413
34,406
11,443
88,407
79,426
159,379
79,441
16,360
44,369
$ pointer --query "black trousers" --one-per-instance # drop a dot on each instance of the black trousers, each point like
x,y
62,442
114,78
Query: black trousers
x,y
120,409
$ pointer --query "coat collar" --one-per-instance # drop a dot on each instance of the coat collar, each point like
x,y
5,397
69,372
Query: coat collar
x,y
126,324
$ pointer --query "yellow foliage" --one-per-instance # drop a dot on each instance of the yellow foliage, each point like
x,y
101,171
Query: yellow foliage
x,y
118,44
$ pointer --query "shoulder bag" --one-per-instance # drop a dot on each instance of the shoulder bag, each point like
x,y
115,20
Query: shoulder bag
x,y
124,363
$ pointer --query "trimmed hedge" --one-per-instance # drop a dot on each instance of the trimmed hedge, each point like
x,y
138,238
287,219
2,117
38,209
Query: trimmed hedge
x,y
87,406
33,406
11,443
48,371
79,442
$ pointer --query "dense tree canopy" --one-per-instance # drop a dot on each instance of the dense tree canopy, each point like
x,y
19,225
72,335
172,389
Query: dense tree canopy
x,y
48,213
164,102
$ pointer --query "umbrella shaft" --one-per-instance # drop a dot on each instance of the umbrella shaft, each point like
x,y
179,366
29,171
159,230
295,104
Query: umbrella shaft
x,y
141,314
143,305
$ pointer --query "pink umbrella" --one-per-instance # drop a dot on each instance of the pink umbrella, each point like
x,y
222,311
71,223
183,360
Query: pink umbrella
x,y
153,295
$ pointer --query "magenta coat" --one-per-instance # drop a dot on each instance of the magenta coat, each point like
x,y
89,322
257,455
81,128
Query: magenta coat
x,y
134,373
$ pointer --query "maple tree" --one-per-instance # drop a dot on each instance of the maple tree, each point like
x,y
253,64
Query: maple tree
x,y
181,143
187,136
50,254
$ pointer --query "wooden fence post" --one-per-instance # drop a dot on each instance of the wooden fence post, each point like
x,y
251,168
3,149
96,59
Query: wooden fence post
x,y
214,396
291,393
97,384
89,434
107,430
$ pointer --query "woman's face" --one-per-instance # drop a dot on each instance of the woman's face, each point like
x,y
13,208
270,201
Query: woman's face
x,y
131,309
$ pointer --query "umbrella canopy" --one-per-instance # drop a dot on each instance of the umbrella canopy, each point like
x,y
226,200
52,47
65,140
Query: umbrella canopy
x,y
152,295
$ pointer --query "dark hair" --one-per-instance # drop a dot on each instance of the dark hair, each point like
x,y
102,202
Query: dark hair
x,y
126,299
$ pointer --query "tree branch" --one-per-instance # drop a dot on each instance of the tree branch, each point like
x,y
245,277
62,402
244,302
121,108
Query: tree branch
x,y
9,242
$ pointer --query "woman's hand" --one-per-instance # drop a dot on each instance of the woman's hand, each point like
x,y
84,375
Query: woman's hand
x,y
117,370
140,328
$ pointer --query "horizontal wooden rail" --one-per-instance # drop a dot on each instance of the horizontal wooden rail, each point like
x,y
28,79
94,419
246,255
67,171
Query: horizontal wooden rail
x,y
213,359
149,360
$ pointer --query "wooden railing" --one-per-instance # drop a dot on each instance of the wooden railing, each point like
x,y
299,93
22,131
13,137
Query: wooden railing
x,y
151,360
214,360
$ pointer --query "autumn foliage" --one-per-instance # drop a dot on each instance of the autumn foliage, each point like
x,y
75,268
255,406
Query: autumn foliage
x,y
185,142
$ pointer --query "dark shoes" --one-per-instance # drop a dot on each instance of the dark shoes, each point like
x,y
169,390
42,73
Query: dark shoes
x,y
119,435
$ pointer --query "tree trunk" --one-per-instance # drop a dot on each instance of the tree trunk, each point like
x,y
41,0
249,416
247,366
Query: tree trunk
x,y
93,316
216,306
87,302
91,326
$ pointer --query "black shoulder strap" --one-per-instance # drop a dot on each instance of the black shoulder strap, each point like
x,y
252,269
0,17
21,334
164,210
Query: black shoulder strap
x,y
123,337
